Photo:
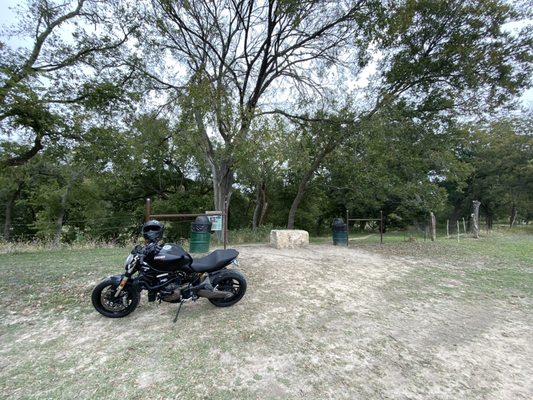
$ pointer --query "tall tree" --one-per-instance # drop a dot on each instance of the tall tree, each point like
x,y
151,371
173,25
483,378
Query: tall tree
x,y
70,62
235,55
315,139
502,179
397,164
68,73
260,161
441,58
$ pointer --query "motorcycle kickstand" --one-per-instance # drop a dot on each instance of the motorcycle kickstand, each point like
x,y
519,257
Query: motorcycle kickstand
x,y
178,312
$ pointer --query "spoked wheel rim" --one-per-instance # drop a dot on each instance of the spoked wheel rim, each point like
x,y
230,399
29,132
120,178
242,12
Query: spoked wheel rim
x,y
115,304
229,285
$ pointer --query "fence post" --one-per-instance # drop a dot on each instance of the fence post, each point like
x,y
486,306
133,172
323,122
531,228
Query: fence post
x,y
475,216
433,227
225,220
447,229
381,227
347,227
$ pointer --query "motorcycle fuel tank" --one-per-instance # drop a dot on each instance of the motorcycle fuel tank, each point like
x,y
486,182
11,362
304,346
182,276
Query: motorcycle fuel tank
x,y
171,257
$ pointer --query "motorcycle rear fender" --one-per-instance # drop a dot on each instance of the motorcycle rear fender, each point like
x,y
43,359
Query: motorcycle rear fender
x,y
213,274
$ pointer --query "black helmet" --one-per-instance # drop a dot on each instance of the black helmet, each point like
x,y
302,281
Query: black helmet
x,y
153,231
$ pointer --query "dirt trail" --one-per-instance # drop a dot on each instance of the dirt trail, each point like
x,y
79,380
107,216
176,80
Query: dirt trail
x,y
351,329
316,323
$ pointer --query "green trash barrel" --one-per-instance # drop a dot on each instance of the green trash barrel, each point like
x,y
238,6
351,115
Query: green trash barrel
x,y
340,232
200,235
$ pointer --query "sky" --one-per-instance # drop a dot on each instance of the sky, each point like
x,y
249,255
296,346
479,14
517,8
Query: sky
x,y
8,17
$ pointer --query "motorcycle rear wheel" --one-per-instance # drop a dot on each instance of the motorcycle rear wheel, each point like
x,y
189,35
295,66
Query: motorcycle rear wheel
x,y
229,281
105,302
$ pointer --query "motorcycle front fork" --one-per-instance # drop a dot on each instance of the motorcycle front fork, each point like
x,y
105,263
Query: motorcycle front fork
x,y
121,285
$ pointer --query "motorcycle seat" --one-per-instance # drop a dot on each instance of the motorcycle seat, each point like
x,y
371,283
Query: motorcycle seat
x,y
218,259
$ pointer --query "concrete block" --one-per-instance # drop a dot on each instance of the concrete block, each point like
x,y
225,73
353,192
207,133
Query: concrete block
x,y
289,239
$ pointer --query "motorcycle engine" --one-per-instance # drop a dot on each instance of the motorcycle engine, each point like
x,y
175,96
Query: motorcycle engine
x,y
171,292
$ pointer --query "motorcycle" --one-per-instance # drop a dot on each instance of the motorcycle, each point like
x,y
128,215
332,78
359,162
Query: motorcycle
x,y
168,273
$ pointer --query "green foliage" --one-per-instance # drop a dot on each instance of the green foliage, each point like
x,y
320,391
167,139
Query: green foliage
x,y
456,54
247,235
80,154
396,165
501,155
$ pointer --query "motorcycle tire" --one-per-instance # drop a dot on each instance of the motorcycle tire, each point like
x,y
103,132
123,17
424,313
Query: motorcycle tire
x,y
103,298
229,281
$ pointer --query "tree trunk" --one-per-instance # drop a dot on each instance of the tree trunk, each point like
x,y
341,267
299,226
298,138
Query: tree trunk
x,y
60,218
256,209
263,212
489,218
221,169
222,183
298,199
512,219
260,206
304,184
223,177
10,206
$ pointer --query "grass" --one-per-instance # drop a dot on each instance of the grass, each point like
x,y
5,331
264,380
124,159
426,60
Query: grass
x,y
499,265
506,258
53,279
51,336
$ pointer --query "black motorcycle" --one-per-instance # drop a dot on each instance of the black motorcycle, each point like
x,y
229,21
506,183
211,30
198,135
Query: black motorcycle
x,y
168,273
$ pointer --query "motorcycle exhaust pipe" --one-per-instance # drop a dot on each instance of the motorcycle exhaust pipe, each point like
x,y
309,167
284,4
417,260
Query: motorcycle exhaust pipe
x,y
210,294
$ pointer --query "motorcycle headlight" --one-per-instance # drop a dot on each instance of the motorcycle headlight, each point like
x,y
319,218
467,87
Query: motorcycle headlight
x,y
128,260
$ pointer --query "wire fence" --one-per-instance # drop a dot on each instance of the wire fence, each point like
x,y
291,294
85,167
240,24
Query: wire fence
x,y
114,229
457,228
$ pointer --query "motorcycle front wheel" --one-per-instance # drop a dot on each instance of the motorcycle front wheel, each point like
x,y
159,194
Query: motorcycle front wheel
x,y
105,302
229,281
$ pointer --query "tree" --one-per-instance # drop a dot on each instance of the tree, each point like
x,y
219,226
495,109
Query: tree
x,y
234,55
65,69
440,59
500,154
68,75
397,164
260,162
11,187
315,139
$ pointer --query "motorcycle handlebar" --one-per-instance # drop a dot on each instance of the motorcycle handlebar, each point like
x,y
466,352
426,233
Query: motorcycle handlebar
x,y
146,250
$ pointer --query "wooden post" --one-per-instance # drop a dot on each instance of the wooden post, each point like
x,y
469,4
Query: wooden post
x,y
458,231
447,229
464,225
225,220
381,227
347,226
475,219
148,210
433,227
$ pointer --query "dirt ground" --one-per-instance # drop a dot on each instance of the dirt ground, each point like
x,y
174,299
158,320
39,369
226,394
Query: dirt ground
x,y
322,322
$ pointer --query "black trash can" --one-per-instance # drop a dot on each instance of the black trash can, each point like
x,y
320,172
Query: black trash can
x,y
200,235
340,232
